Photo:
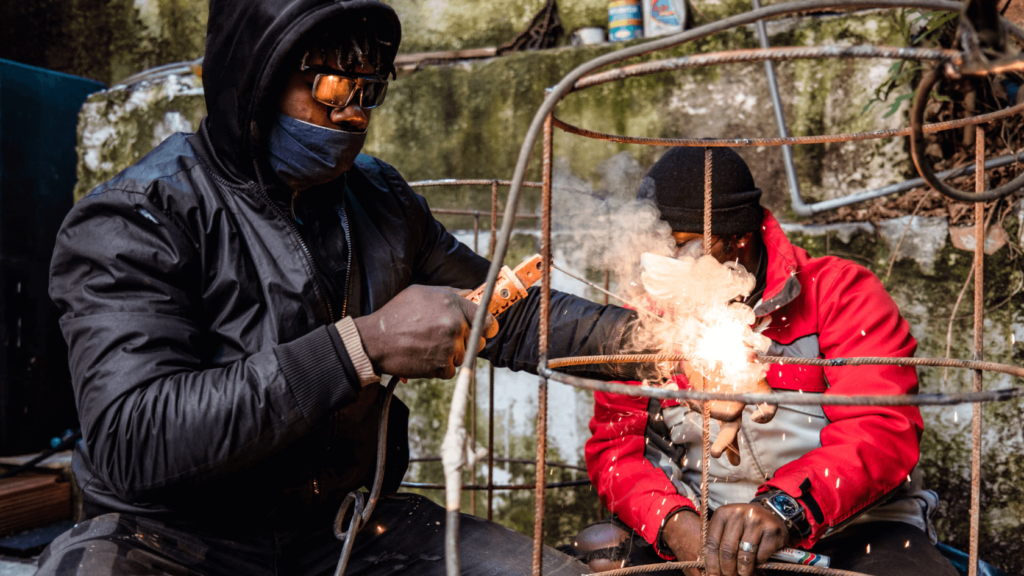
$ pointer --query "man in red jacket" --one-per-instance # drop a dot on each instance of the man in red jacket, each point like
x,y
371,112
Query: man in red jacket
x,y
836,480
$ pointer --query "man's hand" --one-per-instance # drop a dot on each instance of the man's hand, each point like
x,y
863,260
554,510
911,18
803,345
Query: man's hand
x,y
682,535
734,524
421,333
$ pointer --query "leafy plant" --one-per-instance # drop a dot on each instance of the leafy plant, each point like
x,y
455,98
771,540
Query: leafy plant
x,y
905,72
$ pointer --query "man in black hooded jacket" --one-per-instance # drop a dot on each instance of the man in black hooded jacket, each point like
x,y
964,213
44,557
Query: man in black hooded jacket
x,y
231,300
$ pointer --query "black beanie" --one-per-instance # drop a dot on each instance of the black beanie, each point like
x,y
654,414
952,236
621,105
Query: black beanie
x,y
676,186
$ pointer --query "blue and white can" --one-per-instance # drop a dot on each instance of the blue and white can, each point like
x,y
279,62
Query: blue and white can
x,y
625,20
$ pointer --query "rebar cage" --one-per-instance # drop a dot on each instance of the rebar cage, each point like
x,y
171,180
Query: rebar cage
x,y
948,64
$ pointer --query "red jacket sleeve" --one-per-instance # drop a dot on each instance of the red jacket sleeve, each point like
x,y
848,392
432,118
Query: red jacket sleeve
x,y
629,485
866,451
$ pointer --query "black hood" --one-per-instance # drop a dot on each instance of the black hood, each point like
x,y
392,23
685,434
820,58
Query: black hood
x,y
246,43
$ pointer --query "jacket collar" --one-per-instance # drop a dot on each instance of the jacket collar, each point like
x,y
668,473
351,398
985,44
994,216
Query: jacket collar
x,y
781,283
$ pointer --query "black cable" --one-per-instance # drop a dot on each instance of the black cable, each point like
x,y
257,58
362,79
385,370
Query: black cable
x,y
67,440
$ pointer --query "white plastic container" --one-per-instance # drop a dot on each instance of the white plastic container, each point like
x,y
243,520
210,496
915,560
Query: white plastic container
x,y
663,17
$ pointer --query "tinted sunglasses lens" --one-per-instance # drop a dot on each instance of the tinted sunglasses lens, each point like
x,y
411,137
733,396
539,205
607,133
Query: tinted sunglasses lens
x,y
373,94
332,90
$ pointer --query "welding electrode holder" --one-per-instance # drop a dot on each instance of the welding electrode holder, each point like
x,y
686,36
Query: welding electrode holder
x,y
511,285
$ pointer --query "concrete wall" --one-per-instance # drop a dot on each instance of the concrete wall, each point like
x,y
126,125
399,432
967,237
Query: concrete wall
x,y
467,120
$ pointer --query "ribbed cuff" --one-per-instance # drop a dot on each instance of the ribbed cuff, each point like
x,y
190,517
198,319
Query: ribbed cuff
x,y
315,373
356,353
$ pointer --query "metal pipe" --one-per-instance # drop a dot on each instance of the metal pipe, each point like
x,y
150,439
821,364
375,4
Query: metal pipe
x,y
979,343
796,201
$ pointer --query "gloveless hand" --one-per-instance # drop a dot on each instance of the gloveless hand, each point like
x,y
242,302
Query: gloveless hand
x,y
421,333
735,524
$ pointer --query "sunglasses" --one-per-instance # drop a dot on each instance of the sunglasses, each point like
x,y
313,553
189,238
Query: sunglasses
x,y
337,89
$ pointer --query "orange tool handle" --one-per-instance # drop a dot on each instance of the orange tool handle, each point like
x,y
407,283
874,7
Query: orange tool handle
x,y
511,285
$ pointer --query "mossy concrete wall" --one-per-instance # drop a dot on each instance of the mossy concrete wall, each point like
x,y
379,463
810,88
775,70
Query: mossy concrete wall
x,y
106,40
467,120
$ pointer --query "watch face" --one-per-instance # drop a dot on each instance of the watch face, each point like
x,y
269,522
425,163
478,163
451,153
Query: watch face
x,y
786,505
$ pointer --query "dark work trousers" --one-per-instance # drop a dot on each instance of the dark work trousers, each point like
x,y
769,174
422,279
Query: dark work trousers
x,y
896,549
404,535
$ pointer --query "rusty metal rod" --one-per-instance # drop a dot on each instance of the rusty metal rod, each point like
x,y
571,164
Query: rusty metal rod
x,y
824,362
792,140
542,393
798,568
469,182
705,407
490,367
564,484
510,461
789,398
460,212
979,344
777,54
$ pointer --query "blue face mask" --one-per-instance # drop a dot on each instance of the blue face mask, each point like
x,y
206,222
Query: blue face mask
x,y
304,155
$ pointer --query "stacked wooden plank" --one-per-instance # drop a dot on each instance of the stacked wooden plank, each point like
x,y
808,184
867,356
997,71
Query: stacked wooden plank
x,y
32,500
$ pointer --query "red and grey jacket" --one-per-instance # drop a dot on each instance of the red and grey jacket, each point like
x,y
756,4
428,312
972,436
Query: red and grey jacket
x,y
840,461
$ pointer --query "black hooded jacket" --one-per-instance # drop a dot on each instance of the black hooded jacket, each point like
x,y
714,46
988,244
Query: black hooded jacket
x,y
210,382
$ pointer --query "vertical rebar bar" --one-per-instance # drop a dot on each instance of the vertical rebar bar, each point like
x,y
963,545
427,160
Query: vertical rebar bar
x,y
542,399
705,433
472,387
490,367
979,342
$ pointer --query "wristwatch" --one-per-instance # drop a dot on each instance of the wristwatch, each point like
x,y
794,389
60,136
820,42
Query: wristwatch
x,y
788,509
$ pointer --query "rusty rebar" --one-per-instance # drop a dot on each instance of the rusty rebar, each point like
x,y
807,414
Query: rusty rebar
x,y
791,140
979,344
788,398
823,362
552,464
542,393
469,182
490,367
705,428
564,484
460,212
798,568
778,54
490,443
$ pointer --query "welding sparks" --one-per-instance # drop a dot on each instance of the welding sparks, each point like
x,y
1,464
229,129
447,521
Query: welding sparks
x,y
869,548
837,482
907,545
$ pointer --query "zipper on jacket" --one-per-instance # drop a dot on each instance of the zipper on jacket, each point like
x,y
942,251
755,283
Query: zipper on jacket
x,y
317,281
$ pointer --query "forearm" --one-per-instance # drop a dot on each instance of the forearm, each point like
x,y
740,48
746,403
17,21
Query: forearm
x,y
579,327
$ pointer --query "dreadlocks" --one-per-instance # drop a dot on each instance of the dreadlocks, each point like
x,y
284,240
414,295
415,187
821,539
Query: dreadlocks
x,y
353,45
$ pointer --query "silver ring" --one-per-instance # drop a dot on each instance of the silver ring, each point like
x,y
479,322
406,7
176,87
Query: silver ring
x,y
747,547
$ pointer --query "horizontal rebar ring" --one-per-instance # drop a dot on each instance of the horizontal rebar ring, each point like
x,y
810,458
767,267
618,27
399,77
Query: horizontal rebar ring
x,y
823,362
798,568
789,398
468,182
777,54
565,484
792,140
